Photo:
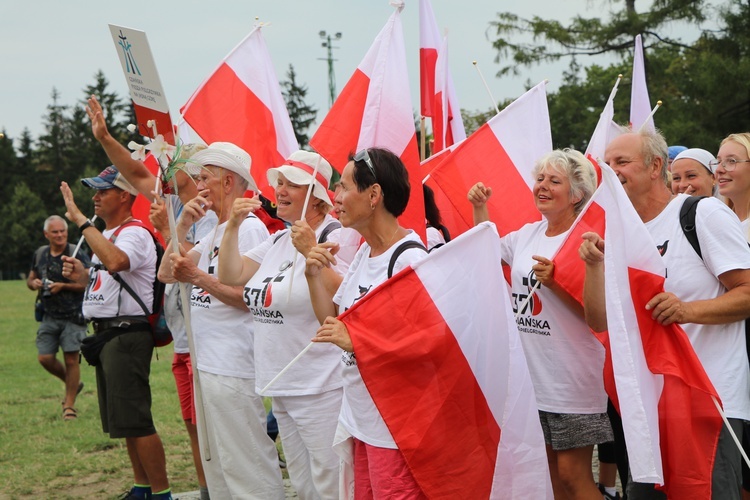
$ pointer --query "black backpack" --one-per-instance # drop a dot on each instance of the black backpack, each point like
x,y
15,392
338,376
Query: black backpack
x,y
687,222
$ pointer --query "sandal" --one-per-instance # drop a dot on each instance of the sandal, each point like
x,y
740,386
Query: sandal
x,y
69,413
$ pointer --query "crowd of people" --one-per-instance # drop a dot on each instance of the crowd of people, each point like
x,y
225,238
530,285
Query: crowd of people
x,y
256,300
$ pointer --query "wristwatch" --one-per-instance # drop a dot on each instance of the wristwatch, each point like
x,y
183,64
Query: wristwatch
x,y
85,225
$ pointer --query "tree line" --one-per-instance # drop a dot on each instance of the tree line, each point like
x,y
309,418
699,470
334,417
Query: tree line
x,y
705,88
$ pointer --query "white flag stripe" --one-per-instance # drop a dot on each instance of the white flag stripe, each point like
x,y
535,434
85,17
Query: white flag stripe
x,y
628,244
497,354
511,130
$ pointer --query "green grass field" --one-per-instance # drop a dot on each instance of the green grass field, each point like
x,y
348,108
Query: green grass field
x,y
41,455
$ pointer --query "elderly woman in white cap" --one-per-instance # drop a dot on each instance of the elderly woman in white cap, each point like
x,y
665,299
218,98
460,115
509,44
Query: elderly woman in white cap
x,y
692,173
243,462
307,398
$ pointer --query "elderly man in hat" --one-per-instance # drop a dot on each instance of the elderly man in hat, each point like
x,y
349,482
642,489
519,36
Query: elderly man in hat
x,y
244,463
127,250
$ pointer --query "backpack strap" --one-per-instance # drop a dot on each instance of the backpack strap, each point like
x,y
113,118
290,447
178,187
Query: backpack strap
x,y
401,249
118,278
334,225
687,222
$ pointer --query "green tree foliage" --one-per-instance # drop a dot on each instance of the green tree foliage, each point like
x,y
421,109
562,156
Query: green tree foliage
x,y
301,114
552,40
21,230
65,151
703,86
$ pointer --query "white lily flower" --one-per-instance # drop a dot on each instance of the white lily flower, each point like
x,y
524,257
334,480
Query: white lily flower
x,y
139,151
132,128
160,148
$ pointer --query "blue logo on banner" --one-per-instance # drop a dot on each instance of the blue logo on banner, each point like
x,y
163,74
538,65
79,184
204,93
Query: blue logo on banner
x,y
130,65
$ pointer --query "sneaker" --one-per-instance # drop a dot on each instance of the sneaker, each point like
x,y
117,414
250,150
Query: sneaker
x,y
607,496
132,495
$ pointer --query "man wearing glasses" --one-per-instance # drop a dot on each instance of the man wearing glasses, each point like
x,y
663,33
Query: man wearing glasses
x,y
709,295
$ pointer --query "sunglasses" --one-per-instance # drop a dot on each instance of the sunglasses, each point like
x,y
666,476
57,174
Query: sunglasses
x,y
365,156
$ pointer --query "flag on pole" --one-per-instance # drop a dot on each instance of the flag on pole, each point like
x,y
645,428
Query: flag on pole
x,y
447,124
640,105
439,351
452,220
671,425
603,131
374,110
241,103
429,44
501,154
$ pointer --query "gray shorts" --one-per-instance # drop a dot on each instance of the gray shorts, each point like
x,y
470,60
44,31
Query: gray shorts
x,y
566,431
59,333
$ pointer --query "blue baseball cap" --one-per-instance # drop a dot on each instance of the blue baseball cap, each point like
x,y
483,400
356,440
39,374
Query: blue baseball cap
x,y
109,178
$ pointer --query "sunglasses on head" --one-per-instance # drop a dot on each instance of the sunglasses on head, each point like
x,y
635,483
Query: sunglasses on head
x,y
364,155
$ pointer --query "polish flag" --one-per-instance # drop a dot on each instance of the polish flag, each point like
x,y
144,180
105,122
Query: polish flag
x,y
429,44
671,425
241,103
447,124
501,154
640,105
446,358
374,110
603,133
451,218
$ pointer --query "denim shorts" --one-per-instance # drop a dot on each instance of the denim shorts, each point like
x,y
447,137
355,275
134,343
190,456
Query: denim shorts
x,y
54,334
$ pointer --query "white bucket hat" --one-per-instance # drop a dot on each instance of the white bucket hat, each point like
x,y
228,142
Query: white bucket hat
x,y
298,168
700,155
225,155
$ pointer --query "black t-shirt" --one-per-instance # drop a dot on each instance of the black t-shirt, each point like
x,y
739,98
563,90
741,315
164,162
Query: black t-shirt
x,y
66,304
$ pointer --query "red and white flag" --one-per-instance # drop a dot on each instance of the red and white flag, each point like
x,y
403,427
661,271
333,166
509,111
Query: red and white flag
x,y
429,44
451,219
671,425
640,105
447,124
241,103
374,110
439,351
501,154
603,133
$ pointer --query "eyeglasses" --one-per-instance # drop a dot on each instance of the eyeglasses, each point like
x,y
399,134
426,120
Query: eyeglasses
x,y
729,164
365,156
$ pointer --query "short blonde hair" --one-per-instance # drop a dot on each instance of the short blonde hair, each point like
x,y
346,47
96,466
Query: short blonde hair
x,y
576,167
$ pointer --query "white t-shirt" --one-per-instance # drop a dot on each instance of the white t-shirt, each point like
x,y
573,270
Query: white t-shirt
x,y
223,334
100,300
721,348
172,301
284,323
434,237
359,415
565,360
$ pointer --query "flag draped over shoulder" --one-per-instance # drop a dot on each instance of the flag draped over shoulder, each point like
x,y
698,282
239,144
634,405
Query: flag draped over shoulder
x,y
670,423
640,105
439,351
501,154
241,103
374,110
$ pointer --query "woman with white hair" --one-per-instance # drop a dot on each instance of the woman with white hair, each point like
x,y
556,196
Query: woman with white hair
x,y
307,398
692,173
565,360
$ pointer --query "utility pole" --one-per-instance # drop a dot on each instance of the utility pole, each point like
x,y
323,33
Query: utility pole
x,y
327,43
